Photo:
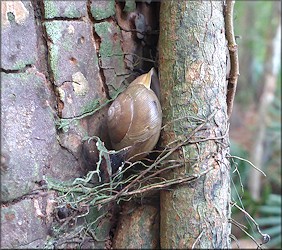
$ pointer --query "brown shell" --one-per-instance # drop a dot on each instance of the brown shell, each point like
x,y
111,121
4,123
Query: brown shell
x,y
134,119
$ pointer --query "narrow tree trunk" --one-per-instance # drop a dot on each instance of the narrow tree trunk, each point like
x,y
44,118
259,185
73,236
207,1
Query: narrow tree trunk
x,y
192,51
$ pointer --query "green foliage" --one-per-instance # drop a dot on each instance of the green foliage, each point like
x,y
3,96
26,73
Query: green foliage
x,y
270,219
254,23
260,15
241,195
240,176
267,211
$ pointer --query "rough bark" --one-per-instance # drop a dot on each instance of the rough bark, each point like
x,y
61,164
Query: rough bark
x,y
58,59
192,66
138,227
45,47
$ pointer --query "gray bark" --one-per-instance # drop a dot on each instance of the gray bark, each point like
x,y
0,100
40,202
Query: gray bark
x,y
58,59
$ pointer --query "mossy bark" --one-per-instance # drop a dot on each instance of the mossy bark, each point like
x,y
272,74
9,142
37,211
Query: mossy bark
x,y
192,66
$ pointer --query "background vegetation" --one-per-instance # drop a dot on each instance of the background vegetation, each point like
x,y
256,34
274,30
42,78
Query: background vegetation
x,y
256,120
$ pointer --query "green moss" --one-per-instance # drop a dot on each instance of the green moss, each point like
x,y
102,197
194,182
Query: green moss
x,y
8,212
108,46
36,171
68,44
20,76
54,58
50,9
92,105
54,30
101,10
110,49
71,11
11,17
130,6
106,49
22,64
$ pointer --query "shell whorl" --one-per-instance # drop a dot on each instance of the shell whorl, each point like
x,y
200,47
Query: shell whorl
x,y
135,117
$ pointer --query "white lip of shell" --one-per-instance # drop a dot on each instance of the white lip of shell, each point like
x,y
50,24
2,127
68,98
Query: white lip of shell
x,y
113,109
111,112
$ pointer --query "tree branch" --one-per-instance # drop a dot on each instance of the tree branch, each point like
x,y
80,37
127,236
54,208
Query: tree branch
x,y
233,54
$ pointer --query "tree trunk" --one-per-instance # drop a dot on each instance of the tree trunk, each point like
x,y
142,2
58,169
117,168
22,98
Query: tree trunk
x,y
49,71
192,66
59,58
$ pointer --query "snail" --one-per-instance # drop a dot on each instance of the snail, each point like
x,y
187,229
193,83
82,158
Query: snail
x,y
135,117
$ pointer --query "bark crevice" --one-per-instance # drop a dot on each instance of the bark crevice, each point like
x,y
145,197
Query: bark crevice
x,y
97,41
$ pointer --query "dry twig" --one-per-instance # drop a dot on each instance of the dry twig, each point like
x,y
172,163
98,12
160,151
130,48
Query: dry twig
x,y
233,53
265,237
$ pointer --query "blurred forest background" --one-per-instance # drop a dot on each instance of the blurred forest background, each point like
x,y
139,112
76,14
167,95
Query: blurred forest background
x,y
256,120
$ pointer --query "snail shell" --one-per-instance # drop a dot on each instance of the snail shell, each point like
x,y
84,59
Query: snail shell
x,y
135,118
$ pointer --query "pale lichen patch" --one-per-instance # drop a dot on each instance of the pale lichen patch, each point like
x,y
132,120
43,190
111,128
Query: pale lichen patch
x,y
61,93
17,8
70,29
80,83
